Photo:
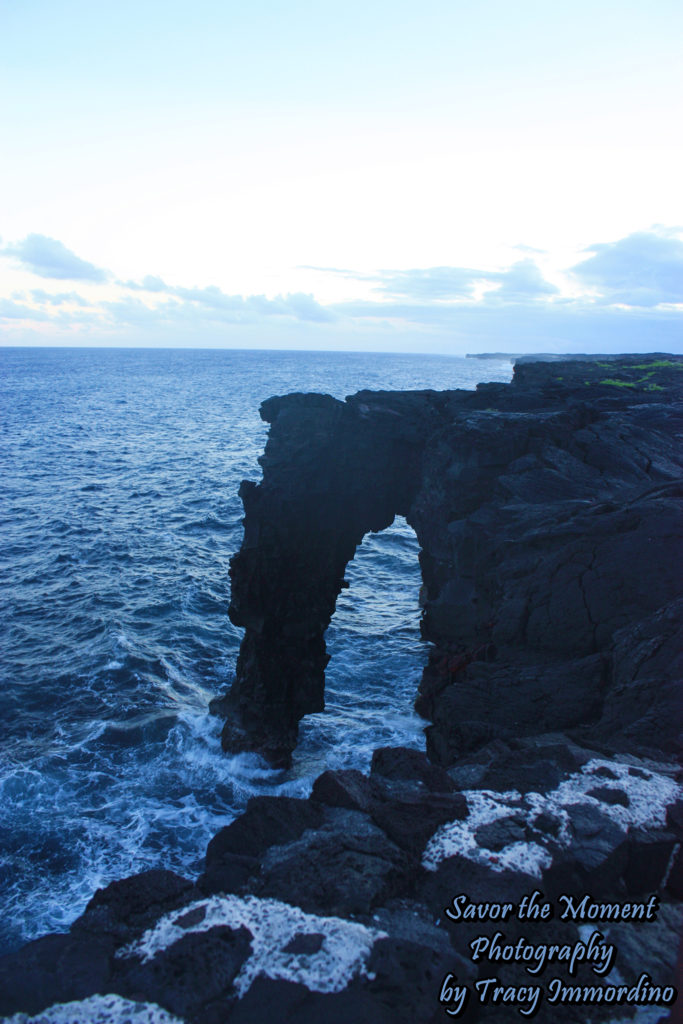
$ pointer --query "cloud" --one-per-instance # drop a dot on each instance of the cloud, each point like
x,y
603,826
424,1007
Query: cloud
x,y
439,308
10,310
298,305
573,326
148,284
643,269
430,283
48,257
57,298
357,275
531,249
234,308
522,281
304,307
129,311
211,296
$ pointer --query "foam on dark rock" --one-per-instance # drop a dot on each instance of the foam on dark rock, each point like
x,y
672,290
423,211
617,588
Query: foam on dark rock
x,y
339,916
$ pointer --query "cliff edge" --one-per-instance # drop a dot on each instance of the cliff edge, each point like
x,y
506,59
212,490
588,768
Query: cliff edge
x,y
549,520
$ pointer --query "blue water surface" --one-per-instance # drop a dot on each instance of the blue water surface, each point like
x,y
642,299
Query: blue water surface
x,y
119,514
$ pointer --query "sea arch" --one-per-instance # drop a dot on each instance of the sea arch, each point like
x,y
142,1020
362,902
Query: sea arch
x,y
332,472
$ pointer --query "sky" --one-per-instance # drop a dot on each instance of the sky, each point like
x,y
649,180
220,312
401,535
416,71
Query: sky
x,y
433,176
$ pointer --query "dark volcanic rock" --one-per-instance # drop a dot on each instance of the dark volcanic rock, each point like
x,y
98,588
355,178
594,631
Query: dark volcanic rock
x,y
268,820
234,853
345,788
387,871
500,833
508,701
412,765
412,820
548,513
297,542
674,877
285,1001
127,907
54,969
193,977
341,870
609,796
645,683
534,763
596,858
649,857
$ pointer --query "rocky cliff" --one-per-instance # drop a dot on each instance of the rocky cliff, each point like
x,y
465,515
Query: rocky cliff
x,y
531,865
548,517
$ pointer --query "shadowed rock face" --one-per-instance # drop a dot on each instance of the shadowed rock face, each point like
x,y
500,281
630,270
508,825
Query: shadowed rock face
x,y
548,513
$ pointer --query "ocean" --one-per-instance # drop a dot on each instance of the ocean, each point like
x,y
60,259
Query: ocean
x,y
119,513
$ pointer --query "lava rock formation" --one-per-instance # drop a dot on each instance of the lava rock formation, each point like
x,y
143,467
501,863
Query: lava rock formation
x,y
549,520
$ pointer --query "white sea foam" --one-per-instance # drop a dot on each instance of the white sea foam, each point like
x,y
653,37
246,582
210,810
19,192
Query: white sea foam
x,y
109,1009
458,837
343,953
649,792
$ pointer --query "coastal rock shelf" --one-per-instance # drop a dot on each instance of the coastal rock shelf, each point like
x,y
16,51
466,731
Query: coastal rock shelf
x,y
358,903
530,861
548,515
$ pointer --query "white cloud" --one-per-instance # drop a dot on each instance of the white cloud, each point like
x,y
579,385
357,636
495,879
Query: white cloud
x,y
618,303
213,303
522,281
11,310
47,257
643,269
430,283
148,284
57,298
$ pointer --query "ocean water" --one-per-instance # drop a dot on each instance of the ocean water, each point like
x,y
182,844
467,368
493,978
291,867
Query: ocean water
x,y
118,516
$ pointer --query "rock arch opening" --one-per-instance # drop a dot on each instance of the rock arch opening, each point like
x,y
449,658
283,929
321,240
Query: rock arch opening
x,y
376,653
